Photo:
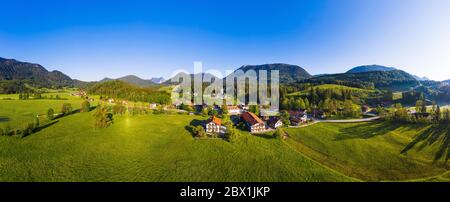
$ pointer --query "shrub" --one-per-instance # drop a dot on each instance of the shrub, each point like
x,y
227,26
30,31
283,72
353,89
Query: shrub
x,y
66,109
50,114
85,106
102,117
199,131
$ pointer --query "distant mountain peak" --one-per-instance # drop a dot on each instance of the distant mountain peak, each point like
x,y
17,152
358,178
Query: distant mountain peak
x,y
288,73
157,80
132,79
371,68
33,74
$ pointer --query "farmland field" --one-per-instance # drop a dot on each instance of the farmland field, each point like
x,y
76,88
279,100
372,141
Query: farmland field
x,y
377,151
149,148
159,148
14,112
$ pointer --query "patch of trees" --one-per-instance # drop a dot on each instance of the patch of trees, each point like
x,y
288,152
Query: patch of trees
x,y
85,106
12,87
103,117
341,102
400,114
25,130
121,90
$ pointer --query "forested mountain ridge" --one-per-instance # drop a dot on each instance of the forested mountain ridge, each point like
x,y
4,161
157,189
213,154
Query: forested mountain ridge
x,y
32,74
118,89
133,80
287,73
370,68
396,79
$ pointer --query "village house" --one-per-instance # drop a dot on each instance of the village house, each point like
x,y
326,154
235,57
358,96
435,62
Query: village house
x,y
214,125
297,121
297,113
152,106
275,122
79,94
234,110
253,122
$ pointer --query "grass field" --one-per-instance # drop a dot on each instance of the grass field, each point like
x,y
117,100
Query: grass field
x,y
377,151
149,148
16,112
159,148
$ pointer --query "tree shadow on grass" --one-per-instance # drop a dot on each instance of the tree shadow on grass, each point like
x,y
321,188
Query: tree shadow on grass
x,y
366,130
265,136
4,119
430,136
194,123
42,128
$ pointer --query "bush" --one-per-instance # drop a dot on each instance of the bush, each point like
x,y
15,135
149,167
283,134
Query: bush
x,y
66,109
231,134
50,114
199,131
102,117
85,106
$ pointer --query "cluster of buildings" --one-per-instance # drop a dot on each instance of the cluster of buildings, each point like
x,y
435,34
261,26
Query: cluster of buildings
x,y
253,122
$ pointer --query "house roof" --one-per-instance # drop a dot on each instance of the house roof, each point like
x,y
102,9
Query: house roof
x,y
233,108
273,120
215,120
251,118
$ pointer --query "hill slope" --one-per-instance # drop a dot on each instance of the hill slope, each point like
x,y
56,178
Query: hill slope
x,y
370,68
151,148
376,151
288,73
393,80
132,79
33,74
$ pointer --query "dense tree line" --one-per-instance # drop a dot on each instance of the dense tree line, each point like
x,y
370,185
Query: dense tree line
x,y
398,113
12,87
341,102
121,90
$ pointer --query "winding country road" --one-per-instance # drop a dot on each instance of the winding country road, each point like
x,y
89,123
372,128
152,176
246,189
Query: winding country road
x,y
350,120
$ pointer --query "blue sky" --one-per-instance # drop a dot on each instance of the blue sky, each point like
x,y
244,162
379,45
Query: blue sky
x,y
90,40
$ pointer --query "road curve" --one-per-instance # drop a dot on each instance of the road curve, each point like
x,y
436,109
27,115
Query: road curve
x,y
350,120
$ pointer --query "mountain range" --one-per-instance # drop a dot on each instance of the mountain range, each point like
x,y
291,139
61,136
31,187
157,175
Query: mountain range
x,y
13,72
373,68
287,73
33,74
370,68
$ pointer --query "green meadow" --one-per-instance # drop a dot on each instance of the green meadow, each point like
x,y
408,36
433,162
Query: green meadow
x,y
15,112
150,148
160,148
377,151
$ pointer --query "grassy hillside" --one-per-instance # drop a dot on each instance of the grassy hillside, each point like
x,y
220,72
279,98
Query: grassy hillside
x,y
376,151
16,112
149,148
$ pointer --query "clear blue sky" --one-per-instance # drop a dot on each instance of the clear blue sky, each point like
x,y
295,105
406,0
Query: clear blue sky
x,y
90,40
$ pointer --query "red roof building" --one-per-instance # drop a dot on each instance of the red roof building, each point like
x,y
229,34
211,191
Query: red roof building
x,y
253,122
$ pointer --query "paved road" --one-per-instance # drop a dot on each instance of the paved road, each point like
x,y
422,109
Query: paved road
x,y
350,120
